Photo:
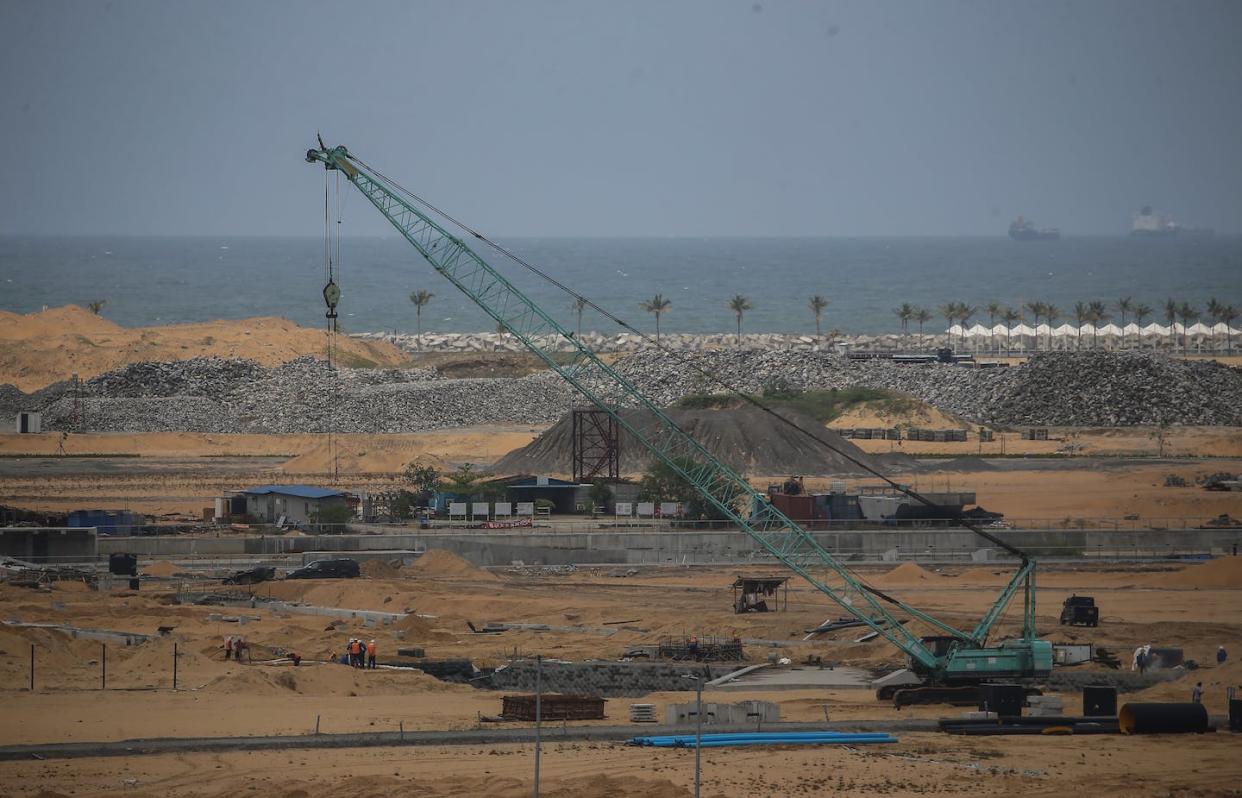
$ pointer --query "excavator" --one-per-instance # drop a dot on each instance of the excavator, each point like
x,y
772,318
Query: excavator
x,y
945,663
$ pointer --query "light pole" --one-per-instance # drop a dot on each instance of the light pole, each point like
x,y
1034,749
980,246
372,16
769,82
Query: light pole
x,y
698,732
538,716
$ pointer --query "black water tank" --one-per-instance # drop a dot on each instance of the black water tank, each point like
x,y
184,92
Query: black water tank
x,y
1099,701
123,564
1163,719
1005,700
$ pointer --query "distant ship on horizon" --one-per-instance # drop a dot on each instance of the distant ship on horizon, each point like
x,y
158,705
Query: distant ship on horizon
x,y
1149,223
1023,230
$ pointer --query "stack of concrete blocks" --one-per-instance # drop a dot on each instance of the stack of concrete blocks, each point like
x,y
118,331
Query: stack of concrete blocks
x,y
1044,706
607,679
741,713
642,713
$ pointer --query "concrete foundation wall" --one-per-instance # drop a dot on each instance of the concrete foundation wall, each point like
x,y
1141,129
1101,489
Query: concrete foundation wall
x,y
40,545
502,547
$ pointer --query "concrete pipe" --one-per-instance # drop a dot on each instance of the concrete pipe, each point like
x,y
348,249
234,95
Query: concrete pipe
x,y
1163,719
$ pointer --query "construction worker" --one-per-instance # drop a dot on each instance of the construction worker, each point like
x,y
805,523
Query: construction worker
x,y
371,655
1196,693
228,647
1221,655
355,651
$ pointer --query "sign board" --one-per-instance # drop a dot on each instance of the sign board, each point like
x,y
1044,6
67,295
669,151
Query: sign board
x,y
478,509
646,508
504,508
457,508
525,508
625,508
668,509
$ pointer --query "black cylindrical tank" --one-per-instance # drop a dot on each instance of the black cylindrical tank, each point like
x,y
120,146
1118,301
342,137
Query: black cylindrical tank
x,y
1163,719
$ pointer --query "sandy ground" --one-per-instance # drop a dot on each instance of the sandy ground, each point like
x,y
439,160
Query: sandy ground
x,y
1196,607
38,349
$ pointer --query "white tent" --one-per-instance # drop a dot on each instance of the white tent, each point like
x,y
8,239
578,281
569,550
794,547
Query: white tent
x,y
955,330
979,330
1065,330
1132,329
1199,328
1022,329
1110,329
1000,330
1156,329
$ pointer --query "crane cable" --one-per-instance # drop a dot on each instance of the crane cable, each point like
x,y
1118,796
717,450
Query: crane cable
x,y
701,370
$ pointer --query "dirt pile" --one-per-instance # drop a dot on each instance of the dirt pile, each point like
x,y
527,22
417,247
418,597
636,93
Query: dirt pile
x,y
908,573
445,564
382,569
1223,572
161,568
747,439
39,349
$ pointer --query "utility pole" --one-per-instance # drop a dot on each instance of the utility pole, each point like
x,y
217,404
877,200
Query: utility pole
x,y
698,733
538,716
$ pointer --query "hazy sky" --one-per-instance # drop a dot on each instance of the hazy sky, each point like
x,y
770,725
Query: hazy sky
x,y
624,118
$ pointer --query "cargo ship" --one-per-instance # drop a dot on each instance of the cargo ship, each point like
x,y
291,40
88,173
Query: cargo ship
x,y
1022,230
1150,223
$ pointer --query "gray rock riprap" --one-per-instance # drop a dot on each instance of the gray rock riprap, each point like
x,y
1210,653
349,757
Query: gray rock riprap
x,y
220,395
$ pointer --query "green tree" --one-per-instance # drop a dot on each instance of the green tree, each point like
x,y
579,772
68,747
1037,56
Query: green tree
x,y
1098,314
1187,314
662,483
580,305
465,481
994,309
1170,315
1214,307
1228,314
1009,316
904,314
949,311
333,515
818,303
922,316
1051,314
1037,310
424,479
420,298
96,305
1141,312
600,494
1081,314
657,305
739,305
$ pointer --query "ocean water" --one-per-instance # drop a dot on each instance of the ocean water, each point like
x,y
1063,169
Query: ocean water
x,y
165,280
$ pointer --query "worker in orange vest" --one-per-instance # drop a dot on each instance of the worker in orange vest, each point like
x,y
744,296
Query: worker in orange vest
x,y
371,655
355,653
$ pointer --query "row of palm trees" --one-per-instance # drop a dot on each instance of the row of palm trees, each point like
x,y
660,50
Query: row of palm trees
x,y
1093,313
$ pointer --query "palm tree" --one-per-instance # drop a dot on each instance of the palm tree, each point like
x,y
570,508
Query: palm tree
x,y
739,305
994,310
1228,314
1125,306
1187,314
922,316
1098,312
1009,316
1170,315
905,313
1140,312
1081,314
1051,314
580,305
964,312
818,303
1037,309
949,310
657,305
1214,307
420,298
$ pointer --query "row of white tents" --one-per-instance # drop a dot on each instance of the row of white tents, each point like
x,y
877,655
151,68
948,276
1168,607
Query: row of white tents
x,y
1090,331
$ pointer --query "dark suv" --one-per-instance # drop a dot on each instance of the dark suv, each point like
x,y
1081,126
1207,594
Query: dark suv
x,y
1080,611
326,569
252,576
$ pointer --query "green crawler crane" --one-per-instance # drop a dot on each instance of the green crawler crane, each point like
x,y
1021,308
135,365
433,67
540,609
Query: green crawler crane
x,y
951,657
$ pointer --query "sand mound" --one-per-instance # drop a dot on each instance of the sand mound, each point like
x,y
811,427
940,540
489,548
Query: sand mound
x,y
746,438
1221,572
161,568
39,349
441,563
908,572
250,680
382,569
